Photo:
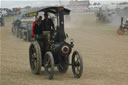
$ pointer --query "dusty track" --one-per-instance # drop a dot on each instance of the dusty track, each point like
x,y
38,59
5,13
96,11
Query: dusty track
x,y
105,56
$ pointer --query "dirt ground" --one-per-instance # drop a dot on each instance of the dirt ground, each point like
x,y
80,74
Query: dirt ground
x,y
105,55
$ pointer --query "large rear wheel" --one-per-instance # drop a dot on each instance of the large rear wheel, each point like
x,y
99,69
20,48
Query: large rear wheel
x,y
77,64
49,65
35,57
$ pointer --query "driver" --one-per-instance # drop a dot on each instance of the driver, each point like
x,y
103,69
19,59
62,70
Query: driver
x,y
47,23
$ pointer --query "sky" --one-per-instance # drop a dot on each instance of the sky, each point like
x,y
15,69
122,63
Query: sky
x,y
38,3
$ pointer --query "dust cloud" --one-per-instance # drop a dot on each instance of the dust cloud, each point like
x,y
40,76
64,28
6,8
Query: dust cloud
x,y
78,20
116,18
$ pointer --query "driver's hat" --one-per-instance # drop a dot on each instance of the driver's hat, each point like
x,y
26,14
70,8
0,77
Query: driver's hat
x,y
45,14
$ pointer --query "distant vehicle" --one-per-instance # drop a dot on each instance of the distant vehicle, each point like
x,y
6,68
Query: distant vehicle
x,y
2,23
16,24
104,15
123,27
25,29
22,27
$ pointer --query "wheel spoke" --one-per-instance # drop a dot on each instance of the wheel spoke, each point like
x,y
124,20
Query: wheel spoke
x,y
48,64
49,69
61,66
48,61
75,59
34,57
35,63
78,57
78,70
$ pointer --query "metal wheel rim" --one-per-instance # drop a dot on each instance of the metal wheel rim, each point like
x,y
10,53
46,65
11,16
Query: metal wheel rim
x,y
33,58
77,64
48,64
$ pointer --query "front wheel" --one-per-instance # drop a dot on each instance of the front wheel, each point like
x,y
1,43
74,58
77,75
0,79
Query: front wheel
x,y
77,64
49,64
63,67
